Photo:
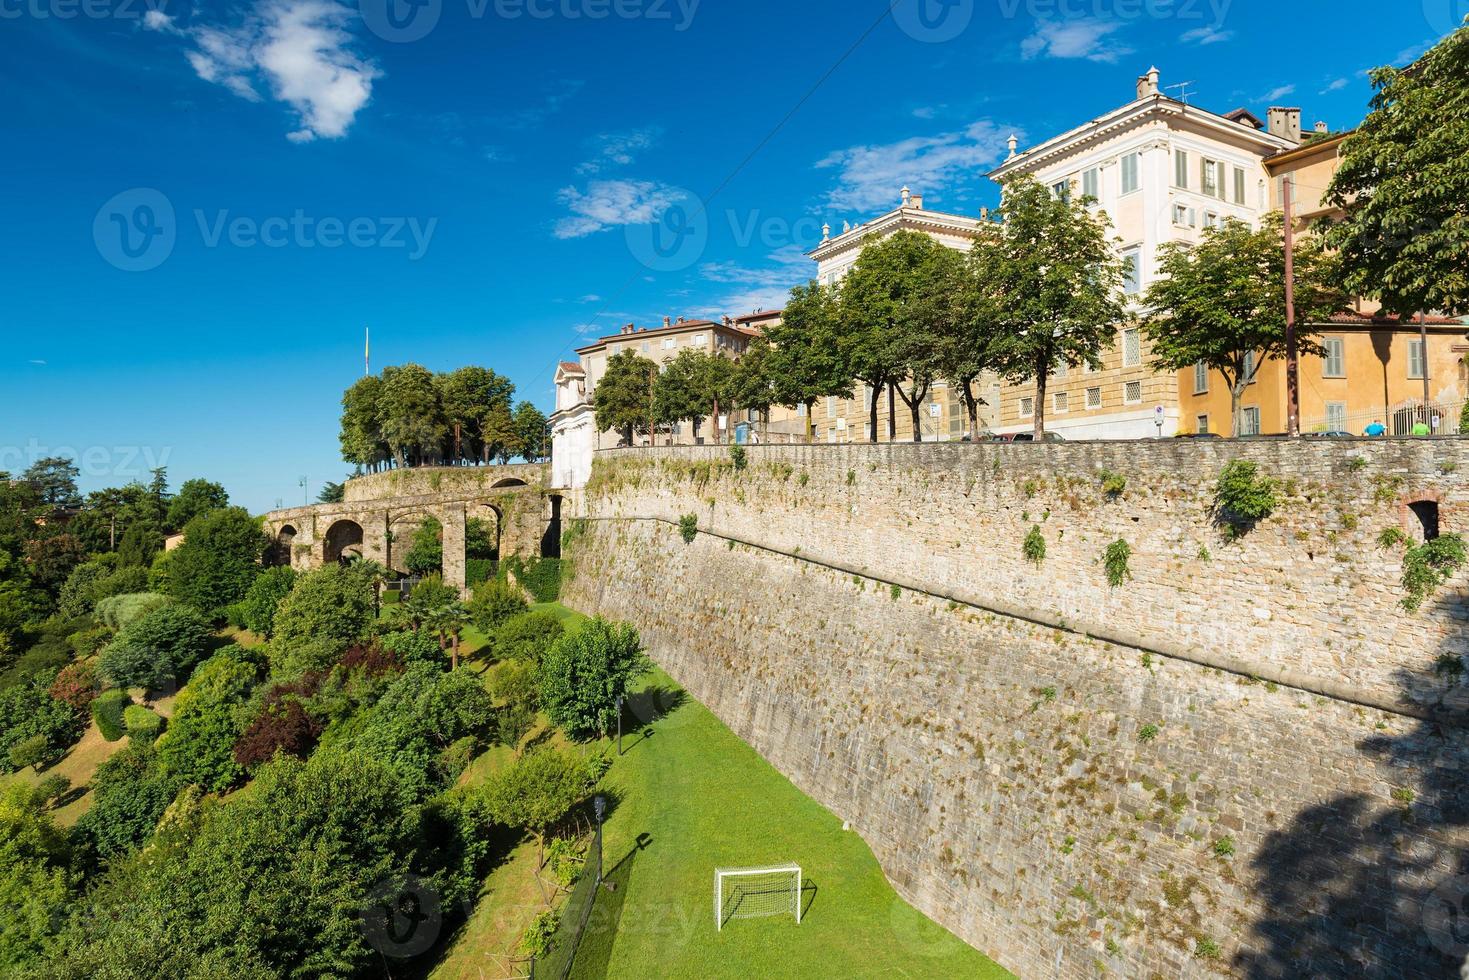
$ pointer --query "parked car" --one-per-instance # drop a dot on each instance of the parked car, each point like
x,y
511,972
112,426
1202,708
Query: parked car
x,y
1027,437
1197,435
1333,434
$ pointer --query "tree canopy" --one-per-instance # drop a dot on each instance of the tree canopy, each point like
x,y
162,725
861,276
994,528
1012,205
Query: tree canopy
x,y
623,399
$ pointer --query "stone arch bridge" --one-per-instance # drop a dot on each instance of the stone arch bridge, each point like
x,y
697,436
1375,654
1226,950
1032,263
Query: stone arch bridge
x,y
381,510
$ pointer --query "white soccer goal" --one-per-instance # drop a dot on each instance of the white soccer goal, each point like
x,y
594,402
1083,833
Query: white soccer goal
x,y
747,893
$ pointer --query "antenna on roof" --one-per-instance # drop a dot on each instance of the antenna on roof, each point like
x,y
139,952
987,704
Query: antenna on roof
x,y
1182,91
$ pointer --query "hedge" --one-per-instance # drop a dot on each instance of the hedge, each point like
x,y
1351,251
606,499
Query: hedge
x,y
107,712
477,570
142,724
541,577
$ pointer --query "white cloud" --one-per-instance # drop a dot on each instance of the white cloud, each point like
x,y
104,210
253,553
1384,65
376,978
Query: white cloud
x,y
869,177
611,203
1336,86
764,288
1278,93
619,149
1083,37
1205,35
299,50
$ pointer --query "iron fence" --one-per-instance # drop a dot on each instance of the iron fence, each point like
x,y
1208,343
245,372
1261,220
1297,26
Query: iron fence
x,y
1442,418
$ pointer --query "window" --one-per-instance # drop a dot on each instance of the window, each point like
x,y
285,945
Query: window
x,y
698,340
801,410
1180,215
1201,424
1209,183
1239,186
1334,364
1061,371
1129,173
1027,407
1249,421
1415,359
1336,416
1091,183
1250,368
1132,354
1201,378
1059,401
831,406
1132,273
1211,220
1062,190
1132,392
646,347
669,343
1180,169
1094,398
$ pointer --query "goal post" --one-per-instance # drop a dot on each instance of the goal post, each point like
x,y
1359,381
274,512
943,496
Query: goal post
x,y
748,893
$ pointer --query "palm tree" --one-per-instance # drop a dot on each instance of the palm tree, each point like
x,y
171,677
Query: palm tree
x,y
448,622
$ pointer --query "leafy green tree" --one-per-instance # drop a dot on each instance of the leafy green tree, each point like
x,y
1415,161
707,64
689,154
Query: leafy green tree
x,y
586,671
130,791
751,384
499,434
1403,180
468,395
526,636
1058,287
77,594
208,718
425,554
264,598
51,559
157,647
426,596
1222,302
536,792
333,603
218,560
421,713
411,415
139,544
332,493
530,433
447,622
479,539
681,392
969,349
29,713
493,602
35,881
363,443
623,399
55,481
195,497
811,351
902,295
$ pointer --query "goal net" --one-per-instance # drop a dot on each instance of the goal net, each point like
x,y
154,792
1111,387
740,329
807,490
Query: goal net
x,y
747,893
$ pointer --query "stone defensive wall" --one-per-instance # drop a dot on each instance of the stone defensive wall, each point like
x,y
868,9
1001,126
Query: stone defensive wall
x,y
1245,759
380,512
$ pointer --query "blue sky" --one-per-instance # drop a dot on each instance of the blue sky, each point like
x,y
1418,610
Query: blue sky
x,y
207,204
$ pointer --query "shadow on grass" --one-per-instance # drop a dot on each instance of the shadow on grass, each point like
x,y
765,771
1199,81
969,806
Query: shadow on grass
x,y
594,955
642,709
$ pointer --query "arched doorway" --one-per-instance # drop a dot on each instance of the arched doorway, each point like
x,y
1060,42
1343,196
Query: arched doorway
x,y
403,531
484,524
343,542
285,541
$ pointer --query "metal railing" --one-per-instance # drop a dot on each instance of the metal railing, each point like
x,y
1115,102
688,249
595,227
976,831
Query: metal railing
x,y
1442,418
556,964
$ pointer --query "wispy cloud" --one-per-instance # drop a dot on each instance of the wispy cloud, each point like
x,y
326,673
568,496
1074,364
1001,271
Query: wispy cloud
x,y
1083,37
299,51
1336,85
764,287
1279,92
532,116
37,362
1206,35
619,149
869,176
611,203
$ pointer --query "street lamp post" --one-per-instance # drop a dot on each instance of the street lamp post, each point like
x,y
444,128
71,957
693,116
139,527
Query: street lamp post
x,y
599,806
619,724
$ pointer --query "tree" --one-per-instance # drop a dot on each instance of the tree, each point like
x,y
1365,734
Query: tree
x,y
28,713
333,603
586,671
468,395
526,636
207,721
35,881
493,602
264,598
425,554
218,560
809,357
536,792
139,544
1059,282
680,391
1222,302
970,348
332,493
195,497
751,385
1402,180
361,436
901,297
157,647
51,559
447,621
411,416
623,399
499,433
530,433
55,481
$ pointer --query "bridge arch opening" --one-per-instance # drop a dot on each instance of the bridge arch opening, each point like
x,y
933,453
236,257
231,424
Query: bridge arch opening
x,y
343,542
551,539
404,530
285,542
509,481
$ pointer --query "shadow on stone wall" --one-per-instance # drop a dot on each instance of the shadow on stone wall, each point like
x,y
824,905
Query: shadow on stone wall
x,y
1375,886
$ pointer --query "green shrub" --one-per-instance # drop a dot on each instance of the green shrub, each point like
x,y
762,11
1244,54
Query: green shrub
x,y
688,527
1147,733
494,602
50,789
142,725
1428,566
410,647
536,941
1034,546
117,611
218,559
739,457
35,750
158,647
330,603
541,577
527,636
1113,484
564,861
108,710
1115,560
456,757
1224,847
586,671
257,610
477,570
1392,537
1243,496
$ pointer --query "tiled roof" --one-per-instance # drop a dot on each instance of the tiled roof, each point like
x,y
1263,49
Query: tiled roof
x,y
571,367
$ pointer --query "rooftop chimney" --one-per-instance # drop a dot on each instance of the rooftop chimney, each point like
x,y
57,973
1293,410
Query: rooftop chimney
x,y
916,201
668,321
1322,128
1285,123
1147,85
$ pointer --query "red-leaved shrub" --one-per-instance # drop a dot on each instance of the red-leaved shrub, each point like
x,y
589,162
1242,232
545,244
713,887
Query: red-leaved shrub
x,y
283,725
76,685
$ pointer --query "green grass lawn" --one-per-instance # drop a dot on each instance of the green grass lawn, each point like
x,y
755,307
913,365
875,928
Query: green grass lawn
x,y
699,798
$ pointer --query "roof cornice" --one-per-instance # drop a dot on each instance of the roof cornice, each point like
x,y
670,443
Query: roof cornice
x,y
898,218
